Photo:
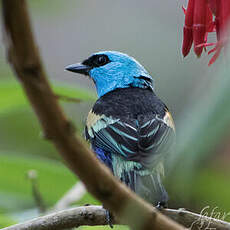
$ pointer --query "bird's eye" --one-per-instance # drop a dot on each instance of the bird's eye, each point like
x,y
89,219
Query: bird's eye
x,y
101,60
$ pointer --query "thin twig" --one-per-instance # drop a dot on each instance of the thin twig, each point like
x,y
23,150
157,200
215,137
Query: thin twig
x,y
96,215
33,177
67,98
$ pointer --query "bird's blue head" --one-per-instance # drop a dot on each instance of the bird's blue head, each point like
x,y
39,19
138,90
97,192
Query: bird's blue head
x,y
111,70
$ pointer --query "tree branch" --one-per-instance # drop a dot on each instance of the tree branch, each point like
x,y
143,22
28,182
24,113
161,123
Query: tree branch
x,y
67,98
196,221
70,218
25,60
96,215
33,177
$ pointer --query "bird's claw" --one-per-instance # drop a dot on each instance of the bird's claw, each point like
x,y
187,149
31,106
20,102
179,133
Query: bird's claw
x,y
161,205
109,218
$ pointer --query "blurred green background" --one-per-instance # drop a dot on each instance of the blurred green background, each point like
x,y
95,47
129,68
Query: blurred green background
x,y
151,31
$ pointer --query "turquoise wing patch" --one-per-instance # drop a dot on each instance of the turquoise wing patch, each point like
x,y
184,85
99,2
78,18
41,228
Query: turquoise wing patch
x,y
135,139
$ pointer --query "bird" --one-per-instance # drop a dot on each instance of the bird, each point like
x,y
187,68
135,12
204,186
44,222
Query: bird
x,y
129,128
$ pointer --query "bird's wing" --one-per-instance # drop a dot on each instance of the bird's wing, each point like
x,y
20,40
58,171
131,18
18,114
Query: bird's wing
x,y
156,137
134,139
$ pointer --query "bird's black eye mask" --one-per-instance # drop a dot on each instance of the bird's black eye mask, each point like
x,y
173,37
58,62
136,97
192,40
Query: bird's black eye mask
x,y
96,60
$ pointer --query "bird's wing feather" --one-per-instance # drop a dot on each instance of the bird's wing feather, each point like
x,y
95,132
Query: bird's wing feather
x,y
135,139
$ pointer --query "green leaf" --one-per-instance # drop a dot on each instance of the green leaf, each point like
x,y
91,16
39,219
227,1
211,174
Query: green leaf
x,y
212,189
18,122
5,221
12,95
20,133
54,179
74,92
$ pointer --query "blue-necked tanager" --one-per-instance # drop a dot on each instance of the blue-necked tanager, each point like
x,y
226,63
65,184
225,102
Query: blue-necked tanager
x,y
129,128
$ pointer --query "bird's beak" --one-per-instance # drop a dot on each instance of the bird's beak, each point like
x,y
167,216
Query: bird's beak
x,y
79,68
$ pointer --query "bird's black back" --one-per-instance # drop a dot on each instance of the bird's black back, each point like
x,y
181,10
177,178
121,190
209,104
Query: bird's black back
x,y
129,103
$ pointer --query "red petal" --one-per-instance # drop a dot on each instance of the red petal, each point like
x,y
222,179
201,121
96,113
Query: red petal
x,y
212,5
224,15
184,10
212,50
209,20
208,44
187,33
187,41
217,21
215,56
199,25
189,13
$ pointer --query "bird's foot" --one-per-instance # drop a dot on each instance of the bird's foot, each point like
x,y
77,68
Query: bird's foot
x,y
161,205
109,218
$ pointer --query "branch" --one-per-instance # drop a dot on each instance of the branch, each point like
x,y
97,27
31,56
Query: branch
x,y
70,218
196,221
67,98
96,215
24,57
33,177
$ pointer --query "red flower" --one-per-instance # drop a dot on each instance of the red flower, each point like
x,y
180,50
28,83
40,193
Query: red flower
x,y
188,30
199,22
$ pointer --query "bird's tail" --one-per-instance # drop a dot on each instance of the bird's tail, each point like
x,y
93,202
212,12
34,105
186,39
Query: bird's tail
x,y
147,185
146,182
150,188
